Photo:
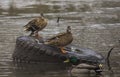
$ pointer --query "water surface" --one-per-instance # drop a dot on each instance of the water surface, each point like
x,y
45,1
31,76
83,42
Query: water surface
x,y
95,24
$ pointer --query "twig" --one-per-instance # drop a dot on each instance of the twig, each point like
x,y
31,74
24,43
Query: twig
x,y
58,19
107,58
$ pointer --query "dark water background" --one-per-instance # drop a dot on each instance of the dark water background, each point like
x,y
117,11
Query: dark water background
x,y
95,24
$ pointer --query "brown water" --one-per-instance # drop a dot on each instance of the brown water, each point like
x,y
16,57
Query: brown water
x,y
95,24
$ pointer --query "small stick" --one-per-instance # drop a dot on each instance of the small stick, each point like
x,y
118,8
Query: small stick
x,y
108,60
41,14
58,19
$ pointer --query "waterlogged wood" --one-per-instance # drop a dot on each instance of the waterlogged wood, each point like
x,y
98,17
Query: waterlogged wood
x,y
27,49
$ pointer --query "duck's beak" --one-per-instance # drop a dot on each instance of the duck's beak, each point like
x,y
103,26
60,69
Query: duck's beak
x,y
67,61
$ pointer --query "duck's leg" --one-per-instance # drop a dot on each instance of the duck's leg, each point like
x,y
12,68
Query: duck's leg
x,y
37,35
31,33
62,49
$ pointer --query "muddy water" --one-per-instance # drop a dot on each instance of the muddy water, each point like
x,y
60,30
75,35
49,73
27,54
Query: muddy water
x,y
95,24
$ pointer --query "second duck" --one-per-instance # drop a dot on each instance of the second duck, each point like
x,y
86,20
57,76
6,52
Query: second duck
x,y
61,39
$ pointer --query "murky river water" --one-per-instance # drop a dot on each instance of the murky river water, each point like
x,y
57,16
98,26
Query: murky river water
x,y
95,24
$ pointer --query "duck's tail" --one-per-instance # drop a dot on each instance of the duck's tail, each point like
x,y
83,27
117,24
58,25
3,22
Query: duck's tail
x,y
26,27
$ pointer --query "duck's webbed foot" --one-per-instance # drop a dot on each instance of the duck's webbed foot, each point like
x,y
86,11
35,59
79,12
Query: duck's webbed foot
x,y
37,36
63,50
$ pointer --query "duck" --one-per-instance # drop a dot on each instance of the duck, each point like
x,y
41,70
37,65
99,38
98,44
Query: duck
x,y
61,39
36,25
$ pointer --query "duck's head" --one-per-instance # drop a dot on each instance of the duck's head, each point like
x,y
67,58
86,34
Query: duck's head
x,y
69,29
42,18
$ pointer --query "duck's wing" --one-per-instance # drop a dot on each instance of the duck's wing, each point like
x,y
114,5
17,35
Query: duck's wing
x,y
41,23
30,23
56,37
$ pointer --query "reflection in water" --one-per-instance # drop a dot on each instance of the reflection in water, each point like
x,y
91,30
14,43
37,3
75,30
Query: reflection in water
x,y
12,8
40,69
95,24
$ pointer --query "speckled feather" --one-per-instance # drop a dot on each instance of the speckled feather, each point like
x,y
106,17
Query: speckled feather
x,y
61,39
37,23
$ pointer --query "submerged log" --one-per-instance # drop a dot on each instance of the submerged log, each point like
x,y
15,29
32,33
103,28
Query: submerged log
x,y
27,49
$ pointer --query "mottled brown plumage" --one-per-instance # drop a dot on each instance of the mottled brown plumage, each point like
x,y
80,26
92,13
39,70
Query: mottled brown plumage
x,y
36,25
61,39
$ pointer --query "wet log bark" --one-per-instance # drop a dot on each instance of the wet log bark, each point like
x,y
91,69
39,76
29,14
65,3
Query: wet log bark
x,y
28,50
